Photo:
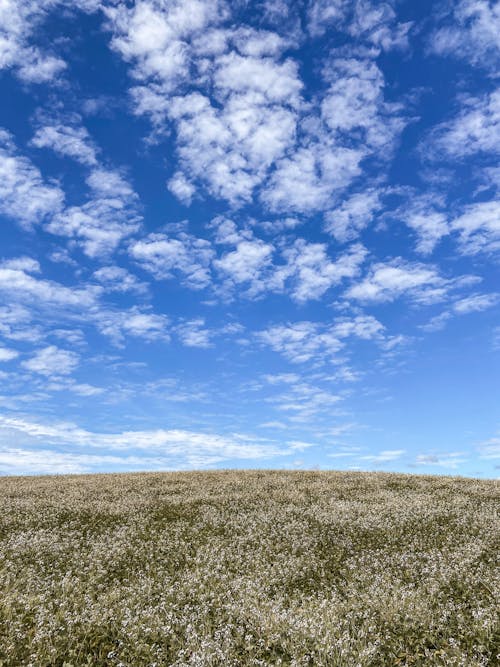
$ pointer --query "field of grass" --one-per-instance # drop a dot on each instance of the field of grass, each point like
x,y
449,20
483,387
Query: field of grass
x,y
249,568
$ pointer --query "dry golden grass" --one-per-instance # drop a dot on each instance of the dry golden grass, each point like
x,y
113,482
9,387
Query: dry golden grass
x,y
249,568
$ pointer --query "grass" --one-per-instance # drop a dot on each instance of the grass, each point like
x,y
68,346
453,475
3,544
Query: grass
x,y
249,568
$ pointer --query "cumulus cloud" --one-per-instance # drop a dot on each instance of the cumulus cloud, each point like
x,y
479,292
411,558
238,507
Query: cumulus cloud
x,y
479,227
249,263
352,124
7,354
99,225
300,342
246,129
47,300
155,37
374,23
67,140
24,195
310,177
109,216
165,256
20,26
425,214
475,303
312,272
355,101
323,13
117,279
17,281
470,31
475,129
193,333
430,227
391,280
52,361
355,213
231,146
117,324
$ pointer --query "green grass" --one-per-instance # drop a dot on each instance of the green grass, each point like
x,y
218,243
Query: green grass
x,y
249,568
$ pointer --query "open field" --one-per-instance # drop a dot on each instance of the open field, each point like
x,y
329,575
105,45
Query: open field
x,y
249,568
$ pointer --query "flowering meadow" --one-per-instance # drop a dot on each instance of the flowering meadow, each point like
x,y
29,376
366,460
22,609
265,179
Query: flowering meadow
x,y
249,568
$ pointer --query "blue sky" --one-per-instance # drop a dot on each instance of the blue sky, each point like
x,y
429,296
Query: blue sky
x,y
249,234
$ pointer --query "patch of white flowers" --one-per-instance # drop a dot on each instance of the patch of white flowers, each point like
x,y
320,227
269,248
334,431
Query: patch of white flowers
x,y
248,568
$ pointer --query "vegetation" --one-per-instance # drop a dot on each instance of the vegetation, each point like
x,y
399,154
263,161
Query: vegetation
x,y
249,568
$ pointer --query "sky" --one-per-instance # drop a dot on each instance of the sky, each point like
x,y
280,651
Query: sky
x,y
249,234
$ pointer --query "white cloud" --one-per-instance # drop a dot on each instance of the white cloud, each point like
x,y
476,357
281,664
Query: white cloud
x,y
39,67
169,447
67,140
301,341
7,354
306,341
308,180
253,268
193,333
19,283
181,187
384,456
230,148
247,264
304,402
265,78
430,227
366,327
355,102
489,449
353,123
476,129
108,217
347,221
371,22
227,146
155,37
256,43
99,225
20,23
442,459
24,195
475,303
322,13
117,279
52,361
116,324
312,272
437,323
246,129
164,256
472,32
376,22
389,281
479,227
16,323
51,300
18,461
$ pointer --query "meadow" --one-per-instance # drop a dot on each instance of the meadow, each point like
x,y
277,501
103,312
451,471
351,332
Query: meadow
x,y
237,568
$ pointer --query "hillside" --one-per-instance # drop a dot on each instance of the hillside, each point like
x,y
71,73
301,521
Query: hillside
x,y
248,568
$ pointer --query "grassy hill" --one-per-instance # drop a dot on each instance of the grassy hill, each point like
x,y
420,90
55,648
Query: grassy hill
x,y
249,568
